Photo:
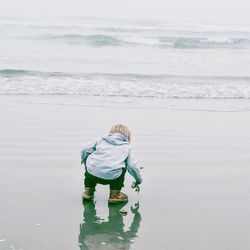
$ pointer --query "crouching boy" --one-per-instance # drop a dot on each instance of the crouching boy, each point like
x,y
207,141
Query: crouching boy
x,y
106,161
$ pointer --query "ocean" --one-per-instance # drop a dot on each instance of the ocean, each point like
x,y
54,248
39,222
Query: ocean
x,y
132,63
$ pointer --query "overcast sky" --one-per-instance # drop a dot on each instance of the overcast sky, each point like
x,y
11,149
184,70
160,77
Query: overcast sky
x,y
212,11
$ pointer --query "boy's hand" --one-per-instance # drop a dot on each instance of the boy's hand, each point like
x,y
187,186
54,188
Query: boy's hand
x,y
135,186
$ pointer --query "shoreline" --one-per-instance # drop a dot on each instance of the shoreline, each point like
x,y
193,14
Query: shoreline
x,y
125,102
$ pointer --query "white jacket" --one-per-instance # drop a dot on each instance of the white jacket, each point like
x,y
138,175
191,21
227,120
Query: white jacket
x,y
106,156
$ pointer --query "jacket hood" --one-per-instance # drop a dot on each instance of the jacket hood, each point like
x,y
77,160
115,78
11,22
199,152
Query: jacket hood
x,y
116,139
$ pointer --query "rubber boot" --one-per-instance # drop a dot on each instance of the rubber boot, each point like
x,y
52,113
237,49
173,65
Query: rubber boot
x,y
116,196
88,193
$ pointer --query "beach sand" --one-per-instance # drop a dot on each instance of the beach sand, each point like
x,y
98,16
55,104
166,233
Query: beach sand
x,y
195,193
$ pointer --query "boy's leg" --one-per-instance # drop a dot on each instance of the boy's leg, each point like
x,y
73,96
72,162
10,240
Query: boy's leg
x,y
116,185
90,184
89,180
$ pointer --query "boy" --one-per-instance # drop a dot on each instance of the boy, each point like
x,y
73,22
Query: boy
x,y
106,161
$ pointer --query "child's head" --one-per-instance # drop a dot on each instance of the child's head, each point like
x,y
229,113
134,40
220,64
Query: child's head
x,y
122,129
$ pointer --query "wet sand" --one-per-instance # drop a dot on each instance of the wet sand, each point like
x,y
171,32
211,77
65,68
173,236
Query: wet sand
x,y
196,175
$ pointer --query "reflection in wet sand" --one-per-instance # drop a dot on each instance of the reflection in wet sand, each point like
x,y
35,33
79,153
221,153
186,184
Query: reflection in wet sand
x,y
96,233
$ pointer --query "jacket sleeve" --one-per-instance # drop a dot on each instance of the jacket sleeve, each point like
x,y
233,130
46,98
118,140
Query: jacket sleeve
x,y
131,164
88,149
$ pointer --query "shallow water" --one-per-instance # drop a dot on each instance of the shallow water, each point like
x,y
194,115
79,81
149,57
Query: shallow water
x,y
194,194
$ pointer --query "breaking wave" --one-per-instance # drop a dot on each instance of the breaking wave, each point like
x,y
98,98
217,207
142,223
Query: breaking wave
x,y
161,42
91,40
203,43
24,82
160,35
